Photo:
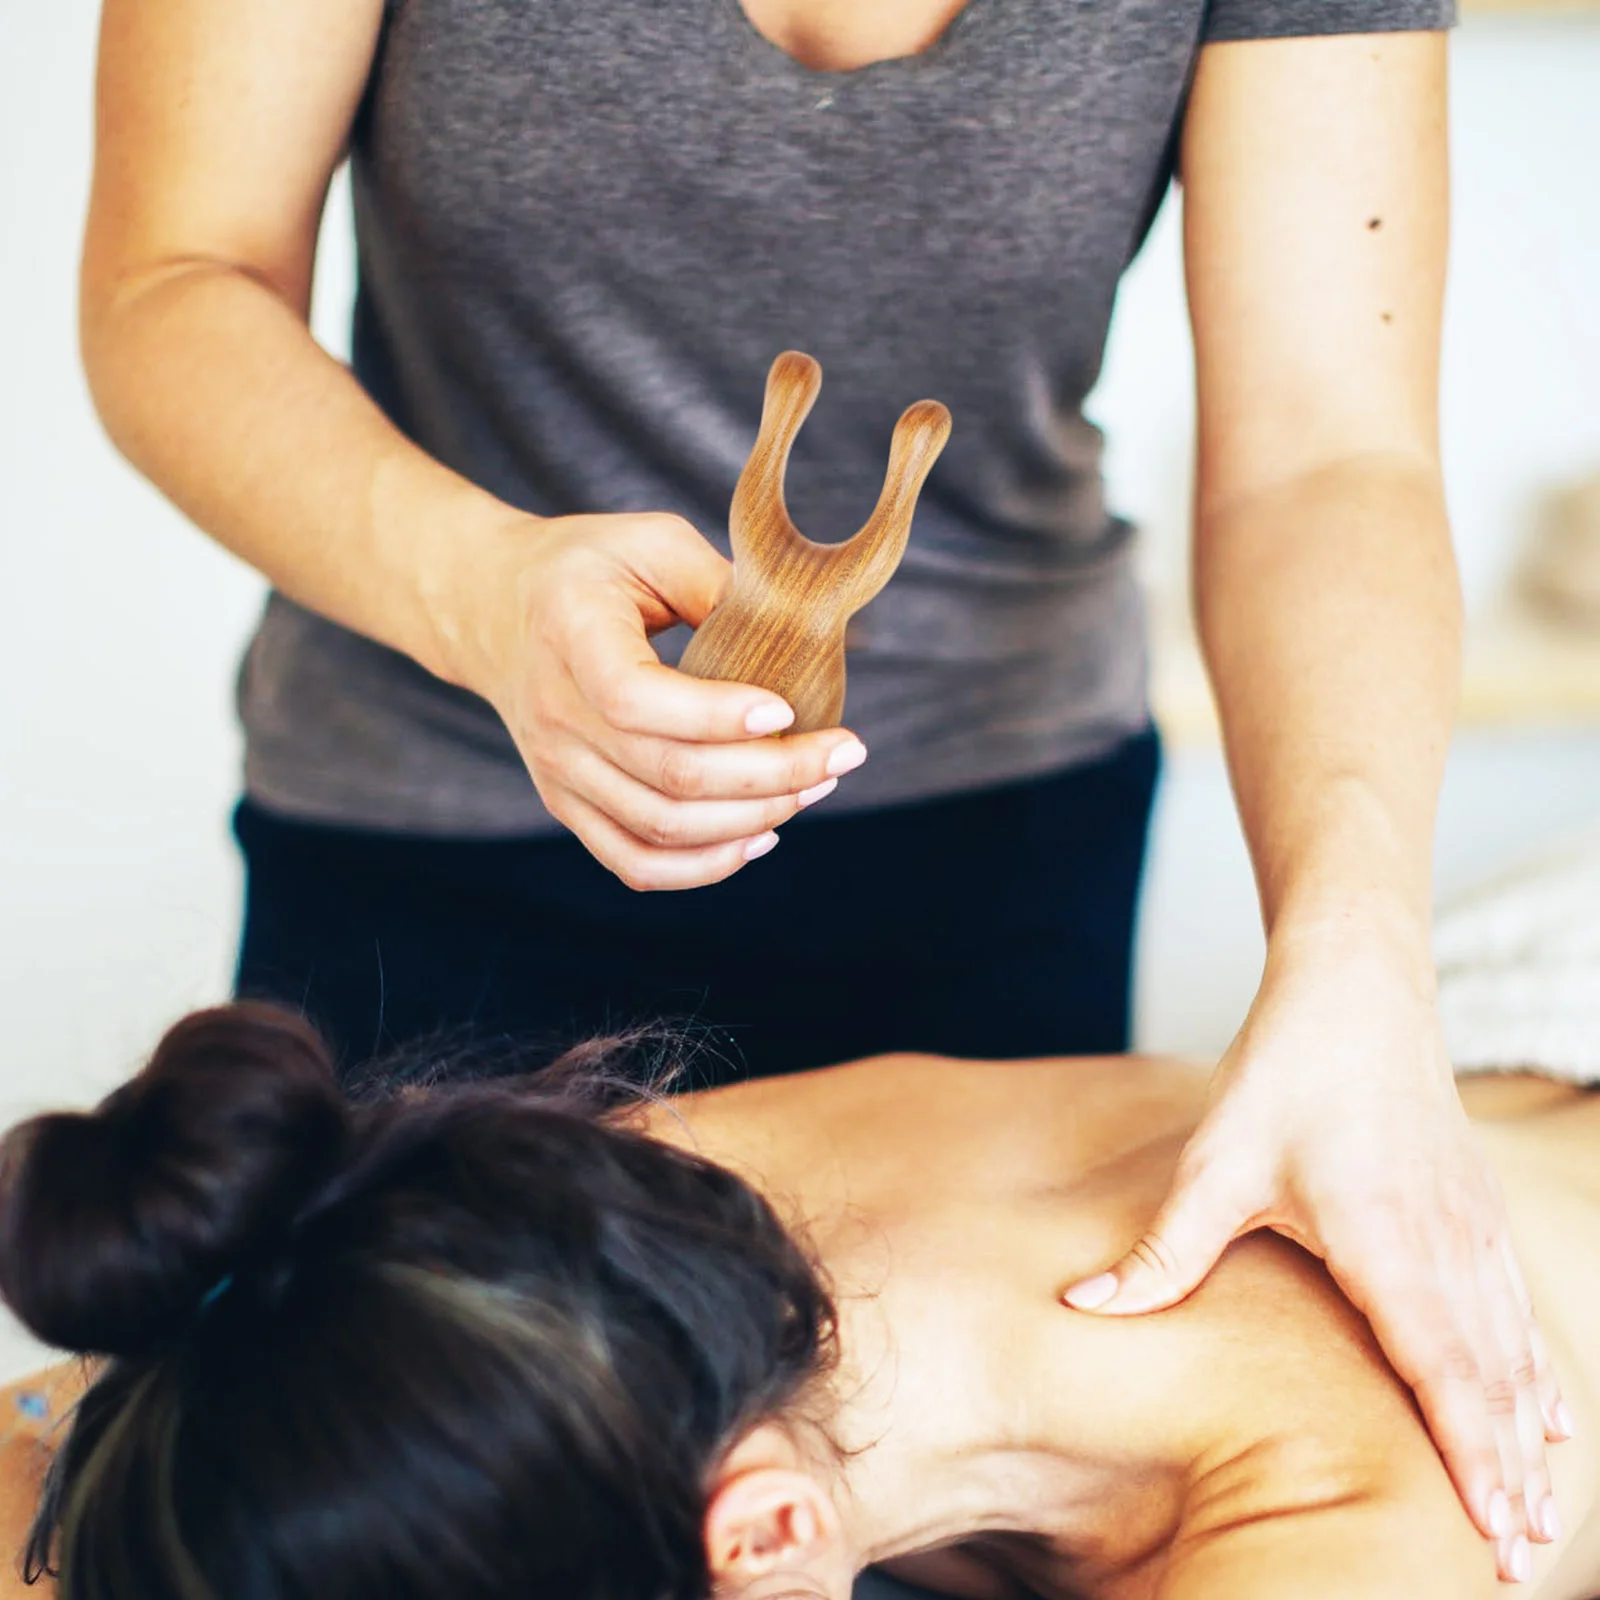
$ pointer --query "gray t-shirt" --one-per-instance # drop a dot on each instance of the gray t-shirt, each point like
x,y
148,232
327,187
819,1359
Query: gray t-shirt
x,y
585,227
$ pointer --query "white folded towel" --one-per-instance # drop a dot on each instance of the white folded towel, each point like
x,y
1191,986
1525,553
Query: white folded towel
x,y
1519,968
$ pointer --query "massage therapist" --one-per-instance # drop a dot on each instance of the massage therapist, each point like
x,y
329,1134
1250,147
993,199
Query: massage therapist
x,y
585,228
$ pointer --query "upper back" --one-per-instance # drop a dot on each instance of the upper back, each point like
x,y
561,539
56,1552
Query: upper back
x,y
950,1203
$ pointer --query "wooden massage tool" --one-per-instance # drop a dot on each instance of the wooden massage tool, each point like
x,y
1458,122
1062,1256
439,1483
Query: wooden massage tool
x,y
782,624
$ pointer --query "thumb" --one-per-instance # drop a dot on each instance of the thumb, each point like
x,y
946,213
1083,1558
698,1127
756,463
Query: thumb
x,y
683,570
1171,1260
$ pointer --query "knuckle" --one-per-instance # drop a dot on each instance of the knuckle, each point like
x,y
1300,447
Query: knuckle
x,y
1454,1363
805,768
666,525
1154,1253
639,877
778,812
662,828
678,773
615,701
555,803
1500,1397
540,744
628,872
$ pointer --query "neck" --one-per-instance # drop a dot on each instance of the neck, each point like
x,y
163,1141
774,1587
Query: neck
x,y
933,1464
935,1451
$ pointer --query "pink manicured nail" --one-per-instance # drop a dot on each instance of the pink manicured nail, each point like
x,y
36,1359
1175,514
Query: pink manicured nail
x,y
1521,1562
817,791
1499,1514
1092,1293
758,847
847,758
1549,1519
771,716
1561,1415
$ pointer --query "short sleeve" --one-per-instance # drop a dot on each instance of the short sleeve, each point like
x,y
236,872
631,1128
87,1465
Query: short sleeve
x,y
1298,19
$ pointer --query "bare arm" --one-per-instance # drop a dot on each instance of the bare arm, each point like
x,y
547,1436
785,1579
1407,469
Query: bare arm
x,y
218,130
1316,228
1315,235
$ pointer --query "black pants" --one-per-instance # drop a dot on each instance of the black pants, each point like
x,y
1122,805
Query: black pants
x,y
995,924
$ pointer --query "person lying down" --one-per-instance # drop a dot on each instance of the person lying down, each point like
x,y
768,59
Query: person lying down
x,y
527,1339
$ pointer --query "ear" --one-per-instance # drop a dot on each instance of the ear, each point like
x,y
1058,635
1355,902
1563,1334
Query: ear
x,y
767,1513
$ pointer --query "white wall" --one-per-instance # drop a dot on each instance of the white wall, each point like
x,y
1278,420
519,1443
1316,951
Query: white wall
x,y
119,626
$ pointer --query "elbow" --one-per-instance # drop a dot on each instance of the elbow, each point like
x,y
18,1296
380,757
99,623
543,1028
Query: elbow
x,y
114,298
144,332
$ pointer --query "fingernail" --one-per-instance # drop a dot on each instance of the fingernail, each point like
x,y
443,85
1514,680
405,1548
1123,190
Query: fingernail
x,y
1561,1415
817,791
771,716
847,758
1499,1514
1521,1559
1092,1293
1549,1518
760,846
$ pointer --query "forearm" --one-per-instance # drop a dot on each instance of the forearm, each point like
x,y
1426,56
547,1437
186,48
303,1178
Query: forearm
x,y
1329,615
212,385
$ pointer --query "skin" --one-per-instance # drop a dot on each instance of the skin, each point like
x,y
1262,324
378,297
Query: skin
x,y
1251,1442
1248,1444
1315,268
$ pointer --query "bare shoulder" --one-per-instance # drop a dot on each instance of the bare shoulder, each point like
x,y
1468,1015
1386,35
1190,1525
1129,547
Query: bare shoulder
x,y
1311,1471
33,1411
915,1099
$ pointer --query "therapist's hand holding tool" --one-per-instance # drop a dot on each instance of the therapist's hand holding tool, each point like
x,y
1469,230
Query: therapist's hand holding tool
x,y
670,779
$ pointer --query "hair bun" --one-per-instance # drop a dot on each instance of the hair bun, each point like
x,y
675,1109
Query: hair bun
x,y
116,1223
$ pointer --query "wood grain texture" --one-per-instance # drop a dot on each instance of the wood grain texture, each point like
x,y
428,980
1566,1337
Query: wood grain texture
x,y
782,624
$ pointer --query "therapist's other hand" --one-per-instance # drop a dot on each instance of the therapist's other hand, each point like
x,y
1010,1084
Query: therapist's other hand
x,y
1335,1120
670,781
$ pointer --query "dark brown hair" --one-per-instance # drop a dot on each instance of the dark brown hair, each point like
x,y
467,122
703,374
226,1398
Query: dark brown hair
x,y
482,1342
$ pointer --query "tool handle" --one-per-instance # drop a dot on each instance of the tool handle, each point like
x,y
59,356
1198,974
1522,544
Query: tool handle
x,y
782,625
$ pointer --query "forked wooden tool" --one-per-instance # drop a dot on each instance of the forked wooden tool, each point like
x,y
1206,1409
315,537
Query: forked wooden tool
x,y
781,626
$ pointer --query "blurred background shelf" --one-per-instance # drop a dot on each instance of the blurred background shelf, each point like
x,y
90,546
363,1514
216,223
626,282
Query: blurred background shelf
x,y
1520,668
1531,7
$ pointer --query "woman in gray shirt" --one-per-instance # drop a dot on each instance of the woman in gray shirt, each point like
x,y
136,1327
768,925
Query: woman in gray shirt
x,y
585,227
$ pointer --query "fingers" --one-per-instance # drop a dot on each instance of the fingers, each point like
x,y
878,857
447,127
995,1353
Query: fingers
x,y
1552,1408
599,636
1193,1228
644,867
617,674
1454,1326
752,770
1512,1393
669,780
682,737
1475,1440
1420,1338
671,557
663,822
